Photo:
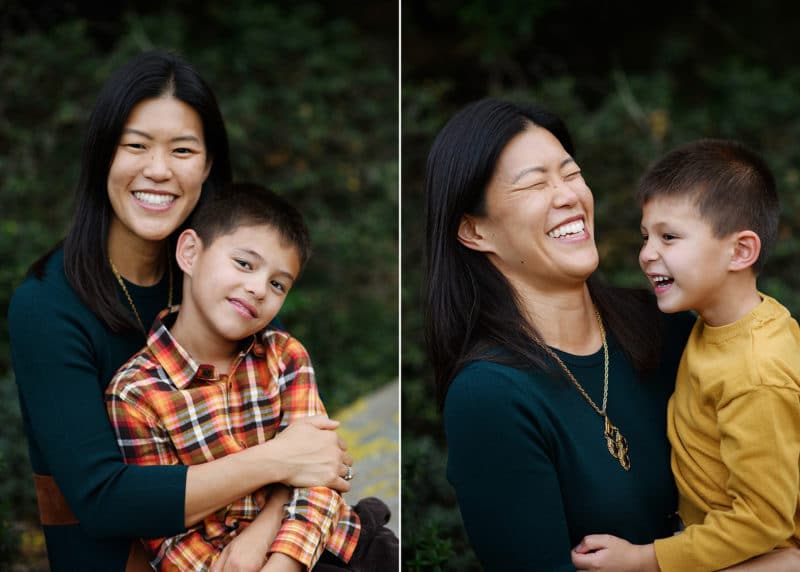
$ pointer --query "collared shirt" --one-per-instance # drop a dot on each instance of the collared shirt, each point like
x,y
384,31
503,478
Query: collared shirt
x,y
167,409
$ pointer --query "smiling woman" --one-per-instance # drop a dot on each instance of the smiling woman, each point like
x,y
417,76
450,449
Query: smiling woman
x,y
155,146
537,223
533,357
156,175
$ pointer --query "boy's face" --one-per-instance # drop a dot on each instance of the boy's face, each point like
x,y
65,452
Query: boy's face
x,y
685,263
240,281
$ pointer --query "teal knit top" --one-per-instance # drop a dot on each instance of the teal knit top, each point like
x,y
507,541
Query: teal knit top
x,y
529,462
63,358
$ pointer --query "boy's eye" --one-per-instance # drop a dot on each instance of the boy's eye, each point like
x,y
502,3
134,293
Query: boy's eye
x,y
278,286
243,264
644,237
137,146
667,236
183,151
573,175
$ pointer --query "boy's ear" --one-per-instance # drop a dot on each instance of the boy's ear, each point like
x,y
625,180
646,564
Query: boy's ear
x,y
471,234
189,246
746,248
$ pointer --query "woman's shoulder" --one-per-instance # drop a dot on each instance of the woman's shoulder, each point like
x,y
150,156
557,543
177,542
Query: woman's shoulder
x,y
47,280
44,296
485,383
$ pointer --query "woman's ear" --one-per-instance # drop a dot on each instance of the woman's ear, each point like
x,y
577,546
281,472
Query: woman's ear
x,y
189,246
746,249
470,234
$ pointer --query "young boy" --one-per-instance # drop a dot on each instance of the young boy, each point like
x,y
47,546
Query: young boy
x,y
709,218
212,381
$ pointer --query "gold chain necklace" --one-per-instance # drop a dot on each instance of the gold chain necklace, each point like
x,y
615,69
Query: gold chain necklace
x,y
128,296
616,443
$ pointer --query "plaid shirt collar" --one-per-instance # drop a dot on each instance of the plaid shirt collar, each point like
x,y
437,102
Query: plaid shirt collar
x,y
179,366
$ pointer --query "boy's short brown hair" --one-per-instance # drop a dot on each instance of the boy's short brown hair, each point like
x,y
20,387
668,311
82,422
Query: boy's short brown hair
x,y
730,184
243,204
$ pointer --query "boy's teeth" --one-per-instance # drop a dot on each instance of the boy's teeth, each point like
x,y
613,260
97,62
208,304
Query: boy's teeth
x,y
565,229
661,279
153,198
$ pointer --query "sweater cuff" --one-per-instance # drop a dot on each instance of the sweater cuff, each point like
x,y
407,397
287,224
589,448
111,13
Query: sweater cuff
x,y
299,540
670,556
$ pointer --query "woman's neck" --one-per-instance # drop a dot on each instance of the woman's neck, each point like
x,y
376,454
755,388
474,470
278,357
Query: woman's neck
x,y
139,261
565,319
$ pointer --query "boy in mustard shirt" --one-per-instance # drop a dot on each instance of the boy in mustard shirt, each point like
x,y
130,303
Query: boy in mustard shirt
x,y
709,218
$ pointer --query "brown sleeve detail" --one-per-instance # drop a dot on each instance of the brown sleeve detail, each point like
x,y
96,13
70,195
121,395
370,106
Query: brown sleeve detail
x,y
53,507
137,559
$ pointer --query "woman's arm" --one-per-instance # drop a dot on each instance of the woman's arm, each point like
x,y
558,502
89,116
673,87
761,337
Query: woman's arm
x,y
307,453
779,560
57,370
507,487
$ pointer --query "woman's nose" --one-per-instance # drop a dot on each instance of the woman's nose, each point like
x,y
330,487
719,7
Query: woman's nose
x,y
564,194
157,168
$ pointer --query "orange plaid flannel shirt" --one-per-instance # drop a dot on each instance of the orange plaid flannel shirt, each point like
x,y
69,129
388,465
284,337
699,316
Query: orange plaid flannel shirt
x,y
167,409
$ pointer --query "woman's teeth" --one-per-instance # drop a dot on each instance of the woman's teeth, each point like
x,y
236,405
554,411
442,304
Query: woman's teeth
x,y
154,198
567,229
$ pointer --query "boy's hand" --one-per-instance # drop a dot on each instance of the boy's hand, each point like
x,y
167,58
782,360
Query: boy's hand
x,y
606,553
312,454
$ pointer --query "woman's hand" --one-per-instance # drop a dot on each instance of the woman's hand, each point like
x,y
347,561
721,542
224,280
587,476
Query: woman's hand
x,y
606,553
312,454
247,552
308,453
779,560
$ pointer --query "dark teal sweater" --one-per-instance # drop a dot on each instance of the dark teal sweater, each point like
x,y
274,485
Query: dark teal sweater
x,y
63,358
528,460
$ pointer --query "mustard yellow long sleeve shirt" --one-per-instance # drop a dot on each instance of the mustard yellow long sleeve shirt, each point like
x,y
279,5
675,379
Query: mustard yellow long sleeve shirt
x,y
734,426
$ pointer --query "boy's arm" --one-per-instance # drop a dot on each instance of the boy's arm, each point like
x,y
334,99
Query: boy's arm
x,y
760,447
313,514
248,549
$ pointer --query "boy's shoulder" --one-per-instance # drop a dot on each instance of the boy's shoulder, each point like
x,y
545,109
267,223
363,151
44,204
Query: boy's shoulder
x,y
140,371
278,342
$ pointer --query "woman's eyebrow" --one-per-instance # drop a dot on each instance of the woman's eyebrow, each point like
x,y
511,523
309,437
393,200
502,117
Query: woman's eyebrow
x,y
527,170
537,169
150,137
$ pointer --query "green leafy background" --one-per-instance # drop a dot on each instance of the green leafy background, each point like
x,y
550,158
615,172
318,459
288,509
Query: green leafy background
x,y
309,92
631,82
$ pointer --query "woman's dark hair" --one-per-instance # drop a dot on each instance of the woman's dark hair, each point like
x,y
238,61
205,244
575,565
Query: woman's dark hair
x,y
148,75
471,308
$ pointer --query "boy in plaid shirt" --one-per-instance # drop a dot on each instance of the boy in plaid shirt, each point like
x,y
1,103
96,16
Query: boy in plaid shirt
x,y
212,380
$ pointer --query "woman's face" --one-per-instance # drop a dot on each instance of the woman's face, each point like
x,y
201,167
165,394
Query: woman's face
x,y
158,169
538,229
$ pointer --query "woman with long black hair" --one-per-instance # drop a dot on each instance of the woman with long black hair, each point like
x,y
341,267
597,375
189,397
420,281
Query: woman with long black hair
x,y
156,145
554,387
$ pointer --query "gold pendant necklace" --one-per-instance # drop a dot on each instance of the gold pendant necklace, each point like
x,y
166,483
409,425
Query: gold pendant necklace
x,y
615,441
128,296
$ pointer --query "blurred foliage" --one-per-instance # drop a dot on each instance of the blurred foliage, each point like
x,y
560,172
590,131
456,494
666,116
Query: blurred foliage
x,y
309,93
629,88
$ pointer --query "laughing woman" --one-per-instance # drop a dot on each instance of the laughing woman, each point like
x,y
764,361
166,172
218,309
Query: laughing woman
x,y
554,386
156,144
